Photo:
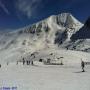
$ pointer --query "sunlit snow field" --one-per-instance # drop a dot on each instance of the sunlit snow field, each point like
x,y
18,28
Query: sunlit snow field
x,y
45,77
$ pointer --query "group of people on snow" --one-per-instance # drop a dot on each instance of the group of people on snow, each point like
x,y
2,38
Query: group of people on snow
x,y
28,62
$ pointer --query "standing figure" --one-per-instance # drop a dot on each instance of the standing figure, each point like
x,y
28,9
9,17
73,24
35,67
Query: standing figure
x,y
23,61
0,65
32,62
82,65
29,62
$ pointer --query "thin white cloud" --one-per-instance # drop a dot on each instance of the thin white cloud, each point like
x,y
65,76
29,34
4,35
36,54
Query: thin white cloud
x,y
28,7
4,8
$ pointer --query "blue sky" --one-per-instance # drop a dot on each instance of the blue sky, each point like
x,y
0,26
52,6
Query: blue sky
x,y
19,13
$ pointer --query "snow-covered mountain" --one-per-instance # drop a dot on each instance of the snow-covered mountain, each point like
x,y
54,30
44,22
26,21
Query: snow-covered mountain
x,y
81,39
56,31
55,26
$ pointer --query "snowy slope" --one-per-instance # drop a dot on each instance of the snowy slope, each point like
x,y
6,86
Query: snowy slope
x,y
50,33
45,77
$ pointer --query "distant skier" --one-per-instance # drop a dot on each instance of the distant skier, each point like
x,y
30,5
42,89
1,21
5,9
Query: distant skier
x,y
0,65
29,62
82,65
23,61
32,63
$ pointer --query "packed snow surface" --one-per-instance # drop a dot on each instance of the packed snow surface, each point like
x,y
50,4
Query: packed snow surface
x,y
45,77
48,77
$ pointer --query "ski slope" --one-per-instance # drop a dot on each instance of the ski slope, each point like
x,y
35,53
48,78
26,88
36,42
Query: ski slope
x,y
45,77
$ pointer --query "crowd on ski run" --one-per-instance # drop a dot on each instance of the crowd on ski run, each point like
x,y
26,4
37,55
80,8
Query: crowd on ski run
x,y
31,62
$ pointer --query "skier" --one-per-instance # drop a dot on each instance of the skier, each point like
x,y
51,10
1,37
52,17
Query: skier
x,y
0,65
32,62
23,61
29,62
82,65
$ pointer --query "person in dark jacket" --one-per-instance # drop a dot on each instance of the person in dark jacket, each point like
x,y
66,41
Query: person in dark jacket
x,y
82,65
29,62
32,63
23,61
